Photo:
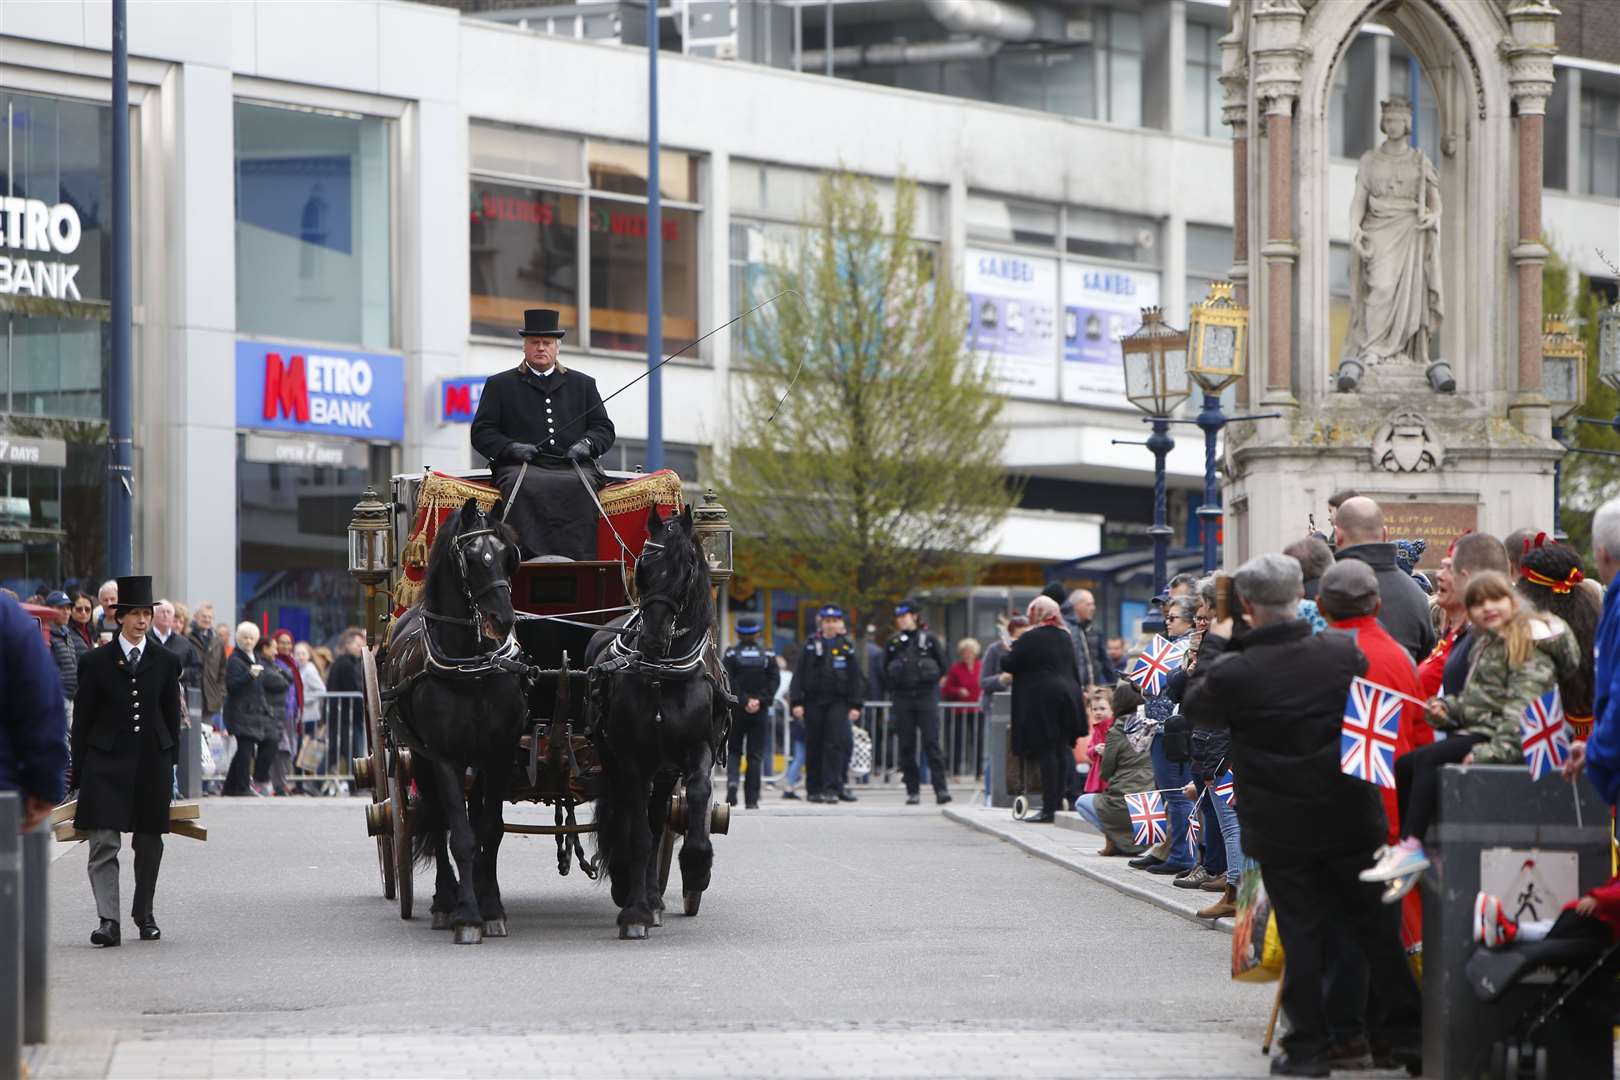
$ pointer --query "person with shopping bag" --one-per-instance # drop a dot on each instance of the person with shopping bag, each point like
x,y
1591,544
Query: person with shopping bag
x,y
1281,691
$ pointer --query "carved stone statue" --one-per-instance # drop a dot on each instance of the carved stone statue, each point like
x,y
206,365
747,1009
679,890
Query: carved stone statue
x,y
1395,303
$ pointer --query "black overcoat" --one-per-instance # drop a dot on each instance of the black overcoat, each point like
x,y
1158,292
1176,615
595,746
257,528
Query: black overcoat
x,y
1046,708
126,730
553,412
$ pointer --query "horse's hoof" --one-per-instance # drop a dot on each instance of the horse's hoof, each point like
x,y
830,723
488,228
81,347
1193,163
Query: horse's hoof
x,y
494,927
658,918
442,920
690,902
632,932
469,935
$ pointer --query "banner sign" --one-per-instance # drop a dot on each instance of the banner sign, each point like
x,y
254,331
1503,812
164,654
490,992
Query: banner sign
x,y
24,450
1012,313
458,398
1101,304
320,391
283,450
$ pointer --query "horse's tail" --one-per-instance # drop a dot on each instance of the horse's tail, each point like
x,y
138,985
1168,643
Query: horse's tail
x,y
427,820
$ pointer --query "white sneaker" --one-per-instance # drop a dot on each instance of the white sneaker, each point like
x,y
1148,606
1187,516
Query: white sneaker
x,y
1397,861
1399,888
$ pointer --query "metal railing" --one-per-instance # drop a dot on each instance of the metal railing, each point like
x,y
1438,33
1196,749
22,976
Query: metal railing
x,y
330,734
961,740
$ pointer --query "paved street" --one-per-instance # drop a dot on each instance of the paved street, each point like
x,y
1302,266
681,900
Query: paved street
x,y
873,939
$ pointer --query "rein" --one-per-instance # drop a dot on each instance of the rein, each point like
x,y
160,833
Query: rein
x,y
507,657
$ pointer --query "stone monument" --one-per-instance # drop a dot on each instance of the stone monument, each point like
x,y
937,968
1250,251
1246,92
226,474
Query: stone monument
x,y
1442,419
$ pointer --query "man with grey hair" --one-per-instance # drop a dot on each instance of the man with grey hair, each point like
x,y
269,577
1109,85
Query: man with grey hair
x,y
1599,755
1281,691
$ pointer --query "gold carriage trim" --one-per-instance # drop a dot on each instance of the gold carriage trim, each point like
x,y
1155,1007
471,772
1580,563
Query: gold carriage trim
x,y
662,488
437,495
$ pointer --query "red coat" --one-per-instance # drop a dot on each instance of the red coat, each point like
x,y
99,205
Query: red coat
x,y
962,682
1607,896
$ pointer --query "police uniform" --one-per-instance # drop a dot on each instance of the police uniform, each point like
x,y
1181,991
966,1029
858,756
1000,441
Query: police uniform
x,y
913,664
753,673
828,684
126,731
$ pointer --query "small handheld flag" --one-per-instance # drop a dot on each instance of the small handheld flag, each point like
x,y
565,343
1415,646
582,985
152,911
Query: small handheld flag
x,y
1195,827
1147,817
1153,667
1542,731
1372,717
1224,789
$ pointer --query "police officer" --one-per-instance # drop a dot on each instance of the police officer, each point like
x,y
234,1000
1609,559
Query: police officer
x,y
826,694
913,664
754,676
126,728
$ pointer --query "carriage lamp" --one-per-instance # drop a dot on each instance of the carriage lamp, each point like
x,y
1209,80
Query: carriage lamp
x,y
1216,333
1155,365
371,551
712,525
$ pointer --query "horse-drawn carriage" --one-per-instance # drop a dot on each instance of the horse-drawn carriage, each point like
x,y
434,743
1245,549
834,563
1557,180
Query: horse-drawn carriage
x,y
457,566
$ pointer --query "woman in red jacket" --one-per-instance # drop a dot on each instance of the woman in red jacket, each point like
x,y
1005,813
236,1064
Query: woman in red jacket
x,y
962,680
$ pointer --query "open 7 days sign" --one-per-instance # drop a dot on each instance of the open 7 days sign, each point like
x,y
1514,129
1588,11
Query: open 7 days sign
x,y
319,391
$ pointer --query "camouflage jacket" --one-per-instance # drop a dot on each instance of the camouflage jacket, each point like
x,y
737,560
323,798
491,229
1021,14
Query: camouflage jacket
x,y
1496,693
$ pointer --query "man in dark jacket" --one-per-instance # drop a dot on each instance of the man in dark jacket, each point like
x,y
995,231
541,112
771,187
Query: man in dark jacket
x,y
826,695
125,733
1281,691
1091,650
62,650
33,719
210,646
755,677
165,633
913,664
1359,533
545,416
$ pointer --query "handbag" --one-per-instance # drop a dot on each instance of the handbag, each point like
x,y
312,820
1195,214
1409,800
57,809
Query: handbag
x,y
1177,738
860,762
1257,953
312,754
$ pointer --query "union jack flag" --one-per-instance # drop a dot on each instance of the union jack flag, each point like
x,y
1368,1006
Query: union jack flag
x,y
1372,720
1224,790
1541,730
1147,817
1195,827
1154,666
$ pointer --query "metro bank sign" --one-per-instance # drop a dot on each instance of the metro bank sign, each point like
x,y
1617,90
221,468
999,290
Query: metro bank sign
x,y
320,391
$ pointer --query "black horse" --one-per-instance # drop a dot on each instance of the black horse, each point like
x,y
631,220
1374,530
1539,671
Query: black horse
x,y
660,714
458,689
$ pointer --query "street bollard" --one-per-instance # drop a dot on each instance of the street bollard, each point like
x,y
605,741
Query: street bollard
x,y
11,936
995,759
1493,822
36,921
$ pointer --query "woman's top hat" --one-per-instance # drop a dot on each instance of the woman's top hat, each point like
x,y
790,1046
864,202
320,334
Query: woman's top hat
x,y
541,322
134,592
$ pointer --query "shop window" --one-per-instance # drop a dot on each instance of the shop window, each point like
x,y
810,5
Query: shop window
x,y
512,151
525,253
1007,221
1104,234
313,225
1600,143
621,168
619,276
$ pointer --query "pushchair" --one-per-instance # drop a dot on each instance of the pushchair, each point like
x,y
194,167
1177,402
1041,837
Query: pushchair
x,y
1571,985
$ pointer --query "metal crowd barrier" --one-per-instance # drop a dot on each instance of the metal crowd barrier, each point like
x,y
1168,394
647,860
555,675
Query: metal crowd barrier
x,y
330,735
961,740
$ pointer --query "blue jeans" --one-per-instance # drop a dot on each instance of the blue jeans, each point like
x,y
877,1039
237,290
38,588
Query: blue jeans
x,y
1214,835
795,766
1086,807
1174,775
1231,836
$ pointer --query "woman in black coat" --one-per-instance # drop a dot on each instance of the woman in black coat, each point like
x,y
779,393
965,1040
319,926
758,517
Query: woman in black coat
x,y
1046,714
255,708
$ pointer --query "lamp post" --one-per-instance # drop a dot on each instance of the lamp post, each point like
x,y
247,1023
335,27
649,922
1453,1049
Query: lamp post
x,y
371,552
655,257
711,527
1155,359
1217,332
1563,381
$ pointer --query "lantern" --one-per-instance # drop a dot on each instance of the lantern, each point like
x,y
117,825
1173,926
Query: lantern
x,y
1217,337
1563,367
1155,359
1609,346
711,525
371,540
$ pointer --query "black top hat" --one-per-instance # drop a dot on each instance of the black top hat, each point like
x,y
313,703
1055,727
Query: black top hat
x,y
134,592
541,322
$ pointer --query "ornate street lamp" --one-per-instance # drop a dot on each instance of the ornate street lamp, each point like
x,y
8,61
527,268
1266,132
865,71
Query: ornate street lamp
x,y
371,552
1609,346
1217,332
1155,359
1563,381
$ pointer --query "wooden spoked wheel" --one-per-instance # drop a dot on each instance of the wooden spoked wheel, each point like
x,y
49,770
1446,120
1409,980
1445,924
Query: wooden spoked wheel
x,y
379,767
399,790
669,836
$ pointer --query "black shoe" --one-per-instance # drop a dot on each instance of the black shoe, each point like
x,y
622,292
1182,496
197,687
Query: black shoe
x,y
1352,1053
107,935
731,796
790,794
823,797
1145,860
1284,1065
751,806
1166,868
912,798
941,798
844,796
150,931
1042,818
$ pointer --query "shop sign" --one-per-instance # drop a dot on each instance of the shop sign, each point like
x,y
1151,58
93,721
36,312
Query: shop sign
x,y
320,391
1012,316
24,450
48,230
458,398
1101,304
279,450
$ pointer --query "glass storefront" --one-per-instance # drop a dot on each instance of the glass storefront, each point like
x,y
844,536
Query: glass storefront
x,y
546,205
313,225
55,348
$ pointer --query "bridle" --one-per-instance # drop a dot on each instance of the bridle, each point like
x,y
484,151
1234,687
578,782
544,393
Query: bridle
x,y
633,659
490,656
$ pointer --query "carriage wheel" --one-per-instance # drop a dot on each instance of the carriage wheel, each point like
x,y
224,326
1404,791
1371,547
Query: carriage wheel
x,y
379,766
399,789
666,856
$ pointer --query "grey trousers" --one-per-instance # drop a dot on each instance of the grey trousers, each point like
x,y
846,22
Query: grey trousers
x,y
104,844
